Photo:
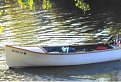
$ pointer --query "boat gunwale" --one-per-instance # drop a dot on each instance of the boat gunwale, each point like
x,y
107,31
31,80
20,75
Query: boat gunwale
x,y
70,53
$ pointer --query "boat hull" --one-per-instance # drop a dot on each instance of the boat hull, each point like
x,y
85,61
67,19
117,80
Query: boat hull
x,y
17,57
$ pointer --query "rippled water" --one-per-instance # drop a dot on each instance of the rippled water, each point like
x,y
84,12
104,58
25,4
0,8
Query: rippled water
x,y
62,23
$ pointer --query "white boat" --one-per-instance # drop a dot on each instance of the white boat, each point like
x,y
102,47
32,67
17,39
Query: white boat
x,y
21,56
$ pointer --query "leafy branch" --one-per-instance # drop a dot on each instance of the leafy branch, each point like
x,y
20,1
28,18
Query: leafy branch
x,y
82,5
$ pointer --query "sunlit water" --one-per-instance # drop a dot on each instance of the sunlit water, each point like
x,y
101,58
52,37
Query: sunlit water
x,y
62,24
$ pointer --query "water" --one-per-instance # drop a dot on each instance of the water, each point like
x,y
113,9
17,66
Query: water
x,y
61,23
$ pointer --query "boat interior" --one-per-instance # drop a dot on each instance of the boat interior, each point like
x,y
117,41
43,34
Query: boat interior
x,y
77,48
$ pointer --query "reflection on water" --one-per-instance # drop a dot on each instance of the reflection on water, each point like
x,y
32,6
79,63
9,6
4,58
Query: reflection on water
x,y
32,23
52,26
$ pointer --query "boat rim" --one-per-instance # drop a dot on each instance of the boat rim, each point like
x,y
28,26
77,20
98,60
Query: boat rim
x,y
70,53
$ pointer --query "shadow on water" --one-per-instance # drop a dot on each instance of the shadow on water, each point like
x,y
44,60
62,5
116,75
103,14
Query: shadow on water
x,y
67,71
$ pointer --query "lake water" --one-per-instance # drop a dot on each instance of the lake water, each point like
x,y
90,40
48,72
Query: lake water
x,y
35,23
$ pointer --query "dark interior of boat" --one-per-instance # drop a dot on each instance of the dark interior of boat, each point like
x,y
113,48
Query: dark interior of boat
x,y
78,48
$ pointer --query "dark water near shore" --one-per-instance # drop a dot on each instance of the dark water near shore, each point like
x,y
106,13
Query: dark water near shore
x,y
62,23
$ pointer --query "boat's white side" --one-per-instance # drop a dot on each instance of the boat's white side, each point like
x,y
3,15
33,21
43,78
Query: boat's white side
x,y
34,56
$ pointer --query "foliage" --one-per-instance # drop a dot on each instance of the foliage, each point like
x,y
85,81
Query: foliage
x,y
46,4
26,3
82,5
